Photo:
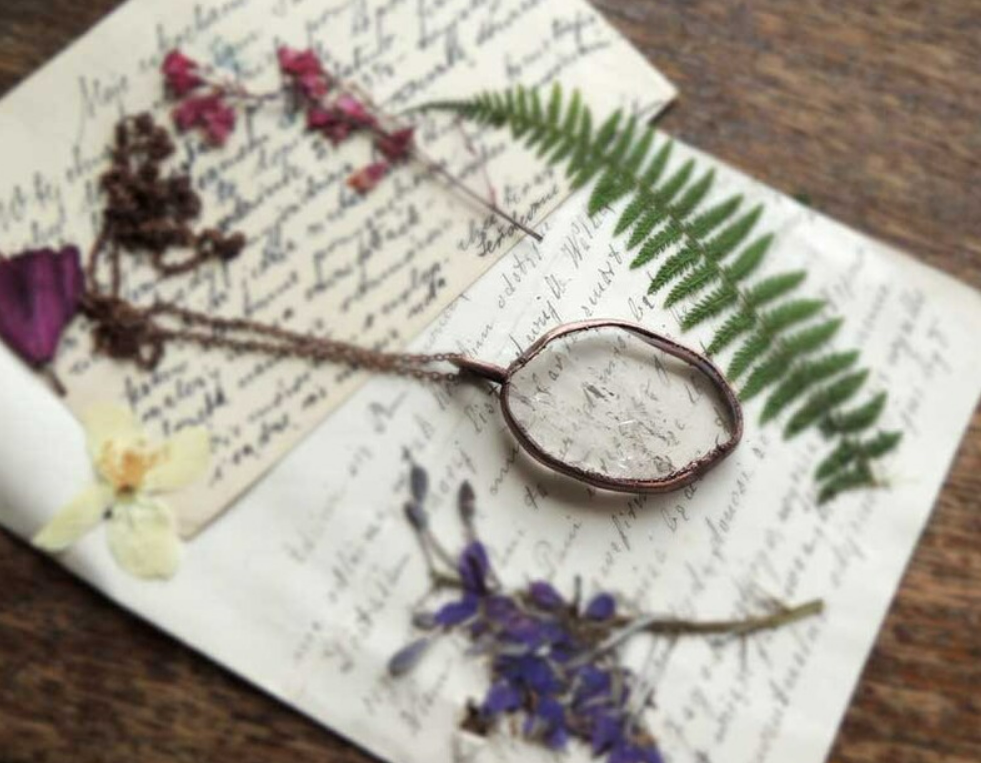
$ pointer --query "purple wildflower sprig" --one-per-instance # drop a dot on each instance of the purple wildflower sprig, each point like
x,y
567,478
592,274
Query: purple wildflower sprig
x,y
332,109
554,663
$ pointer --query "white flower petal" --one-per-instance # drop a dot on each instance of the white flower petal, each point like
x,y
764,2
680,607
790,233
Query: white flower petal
x,y
109,422
183,459
143,538
75,519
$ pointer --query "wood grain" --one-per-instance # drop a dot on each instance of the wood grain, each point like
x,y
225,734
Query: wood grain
x,y
871,110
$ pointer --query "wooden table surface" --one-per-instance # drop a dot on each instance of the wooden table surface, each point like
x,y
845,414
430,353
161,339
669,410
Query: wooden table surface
x,y
871,109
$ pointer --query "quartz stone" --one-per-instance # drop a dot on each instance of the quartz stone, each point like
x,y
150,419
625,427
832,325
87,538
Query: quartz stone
x,y
607,401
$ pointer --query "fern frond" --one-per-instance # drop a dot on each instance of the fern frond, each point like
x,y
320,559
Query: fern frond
x,y
691,284
658,243
856,420
713,217
849,465
774,367
859,476
771,325
772,288
656,213
664,213
824,401
803,378
714,304
730,238
673,267
734,327
749,259
694,196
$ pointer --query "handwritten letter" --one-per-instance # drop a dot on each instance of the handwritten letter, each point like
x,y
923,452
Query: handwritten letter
x,y
320,257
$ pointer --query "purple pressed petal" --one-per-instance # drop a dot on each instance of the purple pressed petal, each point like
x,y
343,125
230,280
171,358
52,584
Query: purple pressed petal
x,y
607,734
545,596
408,657
499,608
627,752
557,738
602,607
457,612
536,674
474,566
503,697
592,683
39,295
420,484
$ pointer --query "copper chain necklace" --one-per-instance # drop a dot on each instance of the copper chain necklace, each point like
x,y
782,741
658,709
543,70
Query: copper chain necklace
x,y
602,401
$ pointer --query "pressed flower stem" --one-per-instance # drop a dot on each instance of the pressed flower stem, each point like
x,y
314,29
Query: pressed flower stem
x,y
56,383
659,626
437,169
417,155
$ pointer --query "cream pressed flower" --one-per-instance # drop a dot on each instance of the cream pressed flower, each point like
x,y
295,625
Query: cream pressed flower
x,y
132,473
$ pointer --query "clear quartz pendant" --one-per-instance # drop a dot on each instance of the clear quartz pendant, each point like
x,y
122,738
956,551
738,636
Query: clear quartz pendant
x,y
618,407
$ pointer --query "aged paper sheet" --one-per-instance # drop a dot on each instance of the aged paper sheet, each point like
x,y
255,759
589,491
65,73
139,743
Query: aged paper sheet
x,y
320,257
305,588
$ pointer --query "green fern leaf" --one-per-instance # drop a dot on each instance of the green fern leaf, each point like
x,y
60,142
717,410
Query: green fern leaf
x,y
623,144
856,420
751,350
673,267
630,213
849,451
713,217
789,314
691,284
607,191
658,243
694,196
822,402
749,259
881,444
843,455
641,149
803,378
723,244
714,304
775,287
658,164
859,476
608,129
572,115
555,106
791,348
734,327
659,203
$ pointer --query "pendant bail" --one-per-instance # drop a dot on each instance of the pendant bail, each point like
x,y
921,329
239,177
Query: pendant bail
x,y
480,368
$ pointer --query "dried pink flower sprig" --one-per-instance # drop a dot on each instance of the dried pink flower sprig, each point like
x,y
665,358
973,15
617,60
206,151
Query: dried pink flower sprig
x,y
332,111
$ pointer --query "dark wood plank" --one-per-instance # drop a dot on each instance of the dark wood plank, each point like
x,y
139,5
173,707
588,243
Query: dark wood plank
x,y
873,111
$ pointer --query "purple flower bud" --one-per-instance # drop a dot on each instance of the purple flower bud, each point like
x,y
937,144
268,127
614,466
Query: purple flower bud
x,y
416,515
466,503
534,673
591,684
503,697
457,612
474,566
602,607
607,733
420,484
629,752
545,596
408,657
